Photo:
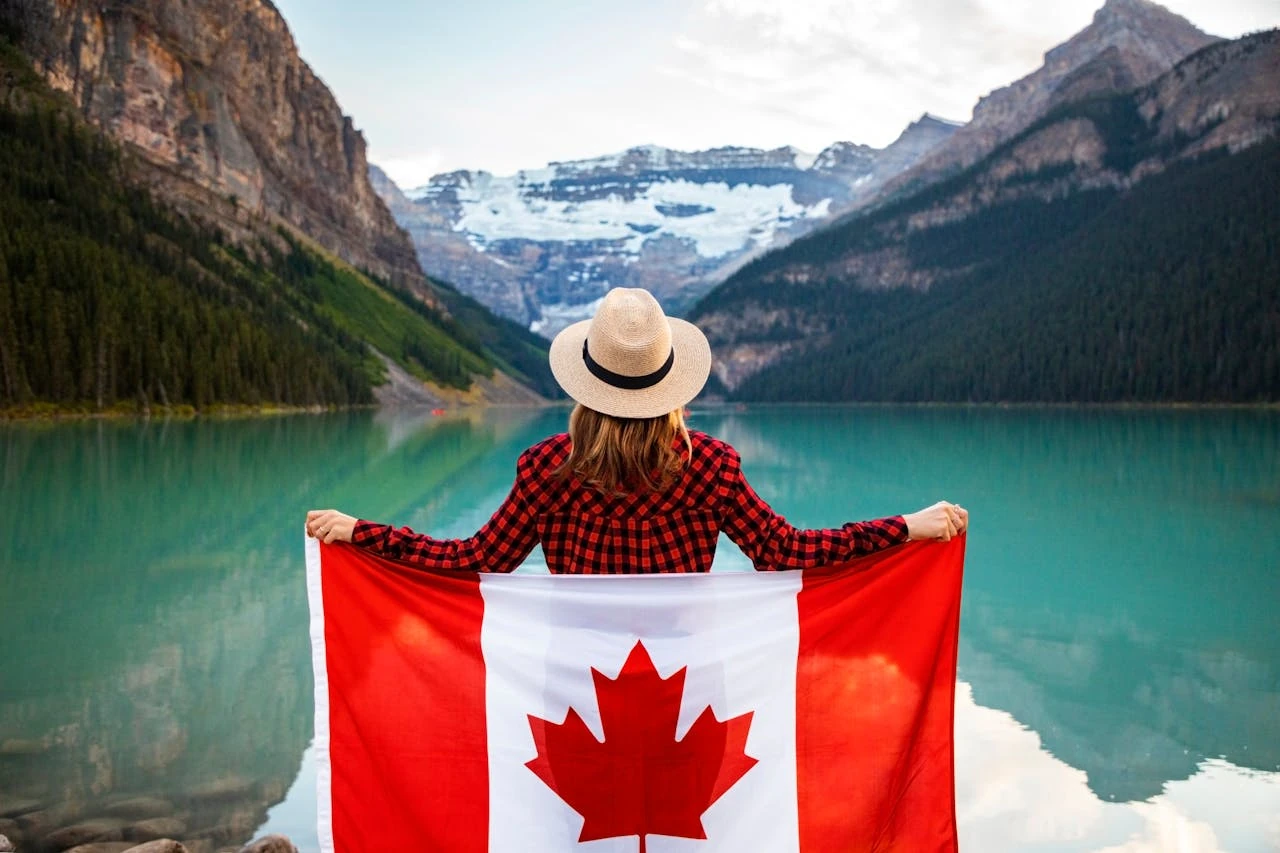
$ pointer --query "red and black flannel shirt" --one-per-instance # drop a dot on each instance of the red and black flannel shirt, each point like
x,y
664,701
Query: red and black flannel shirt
x,y
583,531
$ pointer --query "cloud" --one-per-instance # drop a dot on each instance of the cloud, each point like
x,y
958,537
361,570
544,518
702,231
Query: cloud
x,y
410,170
1012,794
864,70
688,74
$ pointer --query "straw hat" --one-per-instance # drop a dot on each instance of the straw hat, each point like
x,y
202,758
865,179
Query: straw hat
x,y
631,360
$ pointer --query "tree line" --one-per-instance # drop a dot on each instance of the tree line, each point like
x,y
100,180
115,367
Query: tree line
x,y
110,299
1168,292
106,298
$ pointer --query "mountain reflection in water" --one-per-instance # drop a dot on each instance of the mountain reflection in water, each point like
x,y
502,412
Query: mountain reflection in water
x,y
1119,653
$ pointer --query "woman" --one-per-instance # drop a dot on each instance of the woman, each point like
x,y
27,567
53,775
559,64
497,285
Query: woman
x,y
629,489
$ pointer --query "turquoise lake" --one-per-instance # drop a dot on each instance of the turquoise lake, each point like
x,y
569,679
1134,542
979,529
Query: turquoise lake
x,y
1120,635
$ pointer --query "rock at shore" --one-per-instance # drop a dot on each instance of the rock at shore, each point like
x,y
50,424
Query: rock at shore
x,y
12,807
270,844
156,828
162,845
42,821
102,829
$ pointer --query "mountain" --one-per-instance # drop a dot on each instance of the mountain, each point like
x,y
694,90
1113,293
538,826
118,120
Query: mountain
x,y
189,222
1128,44
1069,264
541,246
215,99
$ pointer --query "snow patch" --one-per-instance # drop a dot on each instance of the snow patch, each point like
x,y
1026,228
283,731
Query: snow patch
x,y
494,208
561,315
803,159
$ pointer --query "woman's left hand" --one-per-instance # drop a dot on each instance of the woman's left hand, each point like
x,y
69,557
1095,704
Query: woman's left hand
x,y
941,521
329,525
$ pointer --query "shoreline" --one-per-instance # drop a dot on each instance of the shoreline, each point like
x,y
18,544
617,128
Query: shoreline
x,y
989,404
50,413
42,412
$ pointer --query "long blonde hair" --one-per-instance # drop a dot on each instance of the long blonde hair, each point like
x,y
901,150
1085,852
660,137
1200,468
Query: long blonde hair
x,y
618,455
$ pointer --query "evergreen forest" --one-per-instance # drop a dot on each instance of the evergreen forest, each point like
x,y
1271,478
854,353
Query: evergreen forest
x,y
110,300
1169,292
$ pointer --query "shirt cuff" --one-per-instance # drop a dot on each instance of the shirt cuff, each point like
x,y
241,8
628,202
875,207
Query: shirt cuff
x,y
895,528
368,534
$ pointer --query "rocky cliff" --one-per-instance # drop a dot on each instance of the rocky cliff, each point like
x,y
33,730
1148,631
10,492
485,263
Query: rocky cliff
x,y
543,245
1129,43
231,121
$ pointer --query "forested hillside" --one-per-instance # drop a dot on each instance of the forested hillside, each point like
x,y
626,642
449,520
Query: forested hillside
x,y
1169,292
1121,247
109,299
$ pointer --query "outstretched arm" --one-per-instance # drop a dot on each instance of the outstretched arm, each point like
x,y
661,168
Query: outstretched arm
x,y
500,546
773,544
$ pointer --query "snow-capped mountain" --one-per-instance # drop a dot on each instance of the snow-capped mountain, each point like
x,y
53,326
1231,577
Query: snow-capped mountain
x,y
543,245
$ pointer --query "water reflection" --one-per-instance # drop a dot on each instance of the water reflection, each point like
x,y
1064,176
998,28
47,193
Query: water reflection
x,y
1012,794
155,621
1119,603
1122,572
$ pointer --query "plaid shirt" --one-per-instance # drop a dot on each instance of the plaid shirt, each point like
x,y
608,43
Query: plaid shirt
x,y
583,531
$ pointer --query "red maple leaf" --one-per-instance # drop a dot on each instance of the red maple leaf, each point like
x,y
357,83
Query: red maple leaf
x,y
640,780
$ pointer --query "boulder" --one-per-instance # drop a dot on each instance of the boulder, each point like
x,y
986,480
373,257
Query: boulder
x,y
235,822
12,807
270,844
226,788
161,845
103,847
100,829
40,822
140,808
155,828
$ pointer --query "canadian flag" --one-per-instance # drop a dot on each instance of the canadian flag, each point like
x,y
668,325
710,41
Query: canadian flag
x,y
772,712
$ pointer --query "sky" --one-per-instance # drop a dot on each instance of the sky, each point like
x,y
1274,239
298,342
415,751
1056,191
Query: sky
x,y
503,85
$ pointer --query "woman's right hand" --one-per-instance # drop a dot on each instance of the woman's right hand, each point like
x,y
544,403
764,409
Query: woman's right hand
x,y
940,521
329,525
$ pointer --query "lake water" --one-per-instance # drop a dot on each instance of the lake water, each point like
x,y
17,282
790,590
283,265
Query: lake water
x,y
1119,659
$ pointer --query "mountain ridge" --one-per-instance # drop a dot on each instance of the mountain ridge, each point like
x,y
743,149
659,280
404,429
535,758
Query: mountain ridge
x,y
540,246
1220,100
231,121
1127,44
272,241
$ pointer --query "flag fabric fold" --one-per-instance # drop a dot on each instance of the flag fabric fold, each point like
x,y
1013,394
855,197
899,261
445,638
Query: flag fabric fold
x,y
789,711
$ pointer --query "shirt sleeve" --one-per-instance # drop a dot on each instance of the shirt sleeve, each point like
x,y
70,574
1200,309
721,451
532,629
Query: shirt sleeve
x,y
500,546
774,545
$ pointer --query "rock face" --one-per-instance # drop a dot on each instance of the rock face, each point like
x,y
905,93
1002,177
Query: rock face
x,y
543,245
214,96
1129,43
1224,98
